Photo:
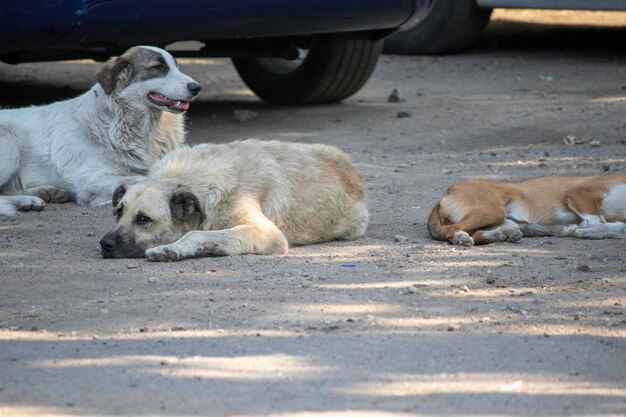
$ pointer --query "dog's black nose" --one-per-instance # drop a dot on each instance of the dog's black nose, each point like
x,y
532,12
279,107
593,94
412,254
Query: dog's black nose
x,y
194,88
108,243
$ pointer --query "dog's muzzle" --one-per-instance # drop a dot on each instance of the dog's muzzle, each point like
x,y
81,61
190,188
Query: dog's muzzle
x,y
113,247
109,244
194,88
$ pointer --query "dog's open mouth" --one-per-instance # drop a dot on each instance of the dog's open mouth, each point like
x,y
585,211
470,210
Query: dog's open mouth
x,y
172,105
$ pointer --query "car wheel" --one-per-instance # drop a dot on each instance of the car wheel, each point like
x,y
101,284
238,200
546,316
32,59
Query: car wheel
x,y
446,26
331,68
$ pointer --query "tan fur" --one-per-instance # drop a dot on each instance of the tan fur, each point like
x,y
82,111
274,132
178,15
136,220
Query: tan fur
x,y
481,212
251,197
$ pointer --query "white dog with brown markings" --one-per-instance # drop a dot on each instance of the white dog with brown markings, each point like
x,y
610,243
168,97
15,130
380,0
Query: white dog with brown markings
x,y
479,212
247,197
83,148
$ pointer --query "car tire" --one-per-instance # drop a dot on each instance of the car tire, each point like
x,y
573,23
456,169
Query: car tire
x,y
446,26
335,67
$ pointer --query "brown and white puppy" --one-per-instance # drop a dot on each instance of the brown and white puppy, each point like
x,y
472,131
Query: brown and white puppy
x,y
477,212
81,149
248,197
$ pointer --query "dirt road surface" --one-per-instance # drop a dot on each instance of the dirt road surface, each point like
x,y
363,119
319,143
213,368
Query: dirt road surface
x,y
391,325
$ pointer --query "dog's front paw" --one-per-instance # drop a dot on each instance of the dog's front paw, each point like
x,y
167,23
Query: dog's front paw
x,y
568,231
461,238
28,203
583,232
164,253
51,194
616,230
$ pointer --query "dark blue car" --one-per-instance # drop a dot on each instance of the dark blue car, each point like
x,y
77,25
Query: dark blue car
x,y
287,51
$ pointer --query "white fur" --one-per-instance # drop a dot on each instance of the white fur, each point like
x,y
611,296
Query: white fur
x,y
90,144
613,230
6,208
517,212
462,238
615,201
452,209
530,225
509,231
567,217
596,227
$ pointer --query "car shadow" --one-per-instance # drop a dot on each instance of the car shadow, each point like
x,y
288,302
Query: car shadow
x,y
34,93
510,35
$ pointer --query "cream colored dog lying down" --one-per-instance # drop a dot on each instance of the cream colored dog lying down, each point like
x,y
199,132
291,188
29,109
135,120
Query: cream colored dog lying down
x,y
237,198
480,212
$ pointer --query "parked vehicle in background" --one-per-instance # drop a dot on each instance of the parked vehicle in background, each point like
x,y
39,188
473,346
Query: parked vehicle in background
x,y
445,26
287,51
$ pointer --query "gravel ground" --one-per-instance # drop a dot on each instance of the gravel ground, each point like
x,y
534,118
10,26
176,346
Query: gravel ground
x,y
393,324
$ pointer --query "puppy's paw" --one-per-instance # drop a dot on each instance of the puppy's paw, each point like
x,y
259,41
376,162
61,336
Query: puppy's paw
x,y
51,194
461,238
28,203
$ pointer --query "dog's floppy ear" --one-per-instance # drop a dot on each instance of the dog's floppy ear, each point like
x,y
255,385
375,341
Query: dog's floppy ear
x,y
116,72
118,194
183,204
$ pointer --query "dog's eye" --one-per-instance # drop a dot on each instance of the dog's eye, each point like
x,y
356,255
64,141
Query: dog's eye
x,y
142,219
160,67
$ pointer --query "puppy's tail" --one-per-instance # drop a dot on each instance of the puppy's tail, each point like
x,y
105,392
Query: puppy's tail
x,y
434,223
6,207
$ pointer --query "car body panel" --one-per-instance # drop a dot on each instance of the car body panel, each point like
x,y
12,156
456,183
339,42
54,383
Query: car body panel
x,y
67,24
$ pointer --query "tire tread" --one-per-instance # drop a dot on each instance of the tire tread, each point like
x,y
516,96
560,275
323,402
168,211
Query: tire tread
x,y
336,67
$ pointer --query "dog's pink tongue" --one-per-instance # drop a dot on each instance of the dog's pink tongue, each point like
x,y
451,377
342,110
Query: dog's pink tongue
x,y
184,105
158,97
